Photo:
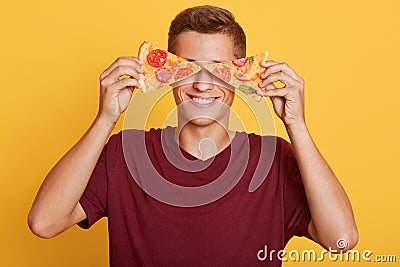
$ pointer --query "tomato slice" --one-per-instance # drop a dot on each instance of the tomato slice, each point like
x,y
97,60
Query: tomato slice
x,y
223,73
157,58
240,62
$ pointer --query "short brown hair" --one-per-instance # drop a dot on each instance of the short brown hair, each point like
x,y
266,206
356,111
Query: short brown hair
x,y
208,19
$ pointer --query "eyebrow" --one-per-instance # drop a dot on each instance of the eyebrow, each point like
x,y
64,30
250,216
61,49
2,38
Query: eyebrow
x,y
193,60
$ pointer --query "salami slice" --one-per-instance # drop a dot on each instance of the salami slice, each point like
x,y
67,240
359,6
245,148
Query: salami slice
x,y
183,73
223,73
163,75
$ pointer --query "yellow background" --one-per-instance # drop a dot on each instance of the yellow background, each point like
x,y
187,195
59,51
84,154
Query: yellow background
x,y
52,53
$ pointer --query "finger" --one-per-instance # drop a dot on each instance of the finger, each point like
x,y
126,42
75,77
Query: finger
x,y
124,61
280,76
270,86
273,67
118,72
281,92
124,84
268,63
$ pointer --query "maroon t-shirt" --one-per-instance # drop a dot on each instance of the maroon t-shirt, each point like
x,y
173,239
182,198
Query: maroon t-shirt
x,y
145,230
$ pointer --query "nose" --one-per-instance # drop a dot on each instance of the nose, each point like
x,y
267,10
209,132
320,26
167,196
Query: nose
x,y
204,81
203,86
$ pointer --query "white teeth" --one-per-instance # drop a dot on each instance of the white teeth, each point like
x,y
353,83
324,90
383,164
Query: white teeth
x,y
203,101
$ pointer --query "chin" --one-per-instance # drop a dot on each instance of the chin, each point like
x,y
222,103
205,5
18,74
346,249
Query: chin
x,y
203,117
202,122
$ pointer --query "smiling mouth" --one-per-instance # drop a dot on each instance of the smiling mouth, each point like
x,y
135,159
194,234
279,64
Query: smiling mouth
x,y
204,100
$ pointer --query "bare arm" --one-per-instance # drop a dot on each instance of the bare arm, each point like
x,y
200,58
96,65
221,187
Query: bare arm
x,y
331,213
56,206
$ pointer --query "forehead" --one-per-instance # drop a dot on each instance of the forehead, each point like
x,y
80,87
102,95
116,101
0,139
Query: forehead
x,y
205,47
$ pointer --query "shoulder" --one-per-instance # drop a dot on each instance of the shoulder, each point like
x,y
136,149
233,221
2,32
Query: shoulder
x,y
133,140
115,143
116,139
277,143
270,148
125,143
274,149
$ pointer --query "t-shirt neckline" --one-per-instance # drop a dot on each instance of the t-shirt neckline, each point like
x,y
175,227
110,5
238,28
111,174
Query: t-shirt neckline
x,y
181,153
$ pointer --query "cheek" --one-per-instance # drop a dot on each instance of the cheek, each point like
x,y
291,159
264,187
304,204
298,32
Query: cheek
x,y
229,96
180,93
176,95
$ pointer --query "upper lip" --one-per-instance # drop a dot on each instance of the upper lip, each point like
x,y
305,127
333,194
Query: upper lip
x,y
204,97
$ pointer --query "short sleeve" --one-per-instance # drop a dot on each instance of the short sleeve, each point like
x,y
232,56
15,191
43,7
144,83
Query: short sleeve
x,y
297,214
94,198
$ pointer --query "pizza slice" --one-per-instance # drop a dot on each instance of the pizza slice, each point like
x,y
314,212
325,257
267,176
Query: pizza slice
x,y
162,68
243,74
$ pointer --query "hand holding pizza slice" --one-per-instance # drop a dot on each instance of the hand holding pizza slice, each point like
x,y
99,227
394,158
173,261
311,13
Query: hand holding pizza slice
x,y
162,68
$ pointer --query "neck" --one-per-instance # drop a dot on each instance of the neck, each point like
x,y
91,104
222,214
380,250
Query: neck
x,y
201,141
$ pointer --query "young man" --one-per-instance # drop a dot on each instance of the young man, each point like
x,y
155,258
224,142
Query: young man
x,y
299,196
